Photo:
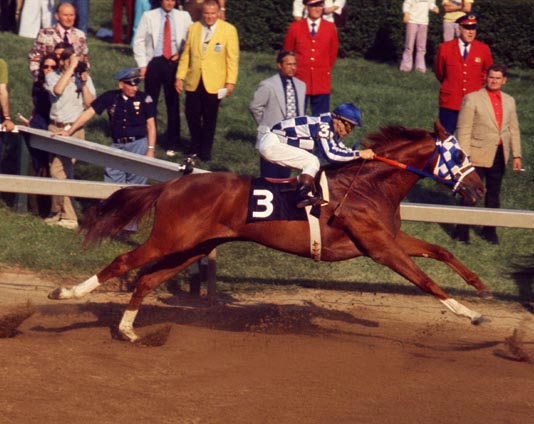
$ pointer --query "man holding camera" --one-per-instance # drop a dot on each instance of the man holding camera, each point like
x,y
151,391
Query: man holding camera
x,y
71,92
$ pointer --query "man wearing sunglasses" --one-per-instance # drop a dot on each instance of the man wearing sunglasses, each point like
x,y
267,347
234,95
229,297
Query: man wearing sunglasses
x,y
132,118
306,142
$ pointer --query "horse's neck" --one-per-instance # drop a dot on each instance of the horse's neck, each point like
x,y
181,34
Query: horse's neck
x,y
373,178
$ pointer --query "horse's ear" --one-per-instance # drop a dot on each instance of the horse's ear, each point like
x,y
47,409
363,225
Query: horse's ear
x,y
440,130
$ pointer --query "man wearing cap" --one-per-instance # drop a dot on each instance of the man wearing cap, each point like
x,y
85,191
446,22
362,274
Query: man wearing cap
x,y
460,66
306,142
277,98
157,46
315,42
132,118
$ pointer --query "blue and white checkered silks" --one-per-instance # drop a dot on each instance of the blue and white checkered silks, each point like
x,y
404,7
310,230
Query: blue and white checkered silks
x,y
453,163
316,135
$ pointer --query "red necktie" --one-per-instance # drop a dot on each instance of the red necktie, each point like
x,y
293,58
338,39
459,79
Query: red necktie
x,y
167,49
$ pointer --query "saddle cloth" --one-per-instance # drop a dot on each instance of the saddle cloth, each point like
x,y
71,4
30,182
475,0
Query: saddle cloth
x,y
274,200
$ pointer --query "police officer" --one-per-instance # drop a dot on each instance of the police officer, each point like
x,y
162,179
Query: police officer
x,y
132,118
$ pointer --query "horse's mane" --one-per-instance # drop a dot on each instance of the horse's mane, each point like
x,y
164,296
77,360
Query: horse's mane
x,y
387,137
393,133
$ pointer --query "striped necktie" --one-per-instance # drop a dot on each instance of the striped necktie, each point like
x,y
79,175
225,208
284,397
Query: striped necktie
x,y
291,104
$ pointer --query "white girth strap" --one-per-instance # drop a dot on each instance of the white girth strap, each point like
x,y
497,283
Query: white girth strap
x,y
313,222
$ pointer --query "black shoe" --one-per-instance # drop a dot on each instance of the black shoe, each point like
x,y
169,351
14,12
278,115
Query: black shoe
x,y
464,240
491,238
461,233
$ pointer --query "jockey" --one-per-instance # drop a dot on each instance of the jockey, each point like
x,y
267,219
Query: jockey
x,y
306,142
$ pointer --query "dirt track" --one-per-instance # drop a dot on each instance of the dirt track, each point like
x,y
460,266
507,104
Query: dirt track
x,y
306,356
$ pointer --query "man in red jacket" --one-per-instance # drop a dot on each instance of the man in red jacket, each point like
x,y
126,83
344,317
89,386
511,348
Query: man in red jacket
x,y
314,41
461,66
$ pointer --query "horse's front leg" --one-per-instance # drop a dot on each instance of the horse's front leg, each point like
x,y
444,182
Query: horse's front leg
x,y
383,249
420,248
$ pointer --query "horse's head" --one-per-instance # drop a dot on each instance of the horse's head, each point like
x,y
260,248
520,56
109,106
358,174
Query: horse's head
x,y
453,166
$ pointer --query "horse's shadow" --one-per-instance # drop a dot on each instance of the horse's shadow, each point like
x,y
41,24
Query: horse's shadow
x,y
226,316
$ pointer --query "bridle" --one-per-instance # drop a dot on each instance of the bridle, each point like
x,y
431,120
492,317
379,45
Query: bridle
x,y
446,171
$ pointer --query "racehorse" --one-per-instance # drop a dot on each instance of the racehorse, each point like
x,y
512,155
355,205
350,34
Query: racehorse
x,y
197,212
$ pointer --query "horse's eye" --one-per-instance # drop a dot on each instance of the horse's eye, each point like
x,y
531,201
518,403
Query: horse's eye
x,y
458,156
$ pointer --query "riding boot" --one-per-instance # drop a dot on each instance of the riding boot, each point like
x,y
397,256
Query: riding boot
x,y
306,193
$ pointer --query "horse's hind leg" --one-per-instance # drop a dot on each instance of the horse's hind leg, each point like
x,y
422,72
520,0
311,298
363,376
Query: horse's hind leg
x,y
121,264
419,248
151,278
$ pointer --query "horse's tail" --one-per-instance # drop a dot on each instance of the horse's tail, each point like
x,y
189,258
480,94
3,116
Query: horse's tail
x,y
110,216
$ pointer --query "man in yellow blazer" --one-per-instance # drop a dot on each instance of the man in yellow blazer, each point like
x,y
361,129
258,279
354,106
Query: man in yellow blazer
x,y
488,130
209,66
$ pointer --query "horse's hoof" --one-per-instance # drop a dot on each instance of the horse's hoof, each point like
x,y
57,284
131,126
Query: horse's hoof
x,y
57,294
127,335
485,294
477,320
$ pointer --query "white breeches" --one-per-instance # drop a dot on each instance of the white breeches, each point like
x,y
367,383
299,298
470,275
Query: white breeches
x,y
273,150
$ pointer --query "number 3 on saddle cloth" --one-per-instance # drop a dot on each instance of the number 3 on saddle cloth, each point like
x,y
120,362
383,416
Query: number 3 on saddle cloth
x,y
274,200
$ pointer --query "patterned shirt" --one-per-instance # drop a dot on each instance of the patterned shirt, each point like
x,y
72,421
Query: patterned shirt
x,y
48,38
316,135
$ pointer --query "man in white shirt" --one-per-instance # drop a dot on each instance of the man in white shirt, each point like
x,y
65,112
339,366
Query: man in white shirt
x,y
158,44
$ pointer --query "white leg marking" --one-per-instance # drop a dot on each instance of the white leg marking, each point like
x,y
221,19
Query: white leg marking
x,y
86,287
461,310
77,291
126,326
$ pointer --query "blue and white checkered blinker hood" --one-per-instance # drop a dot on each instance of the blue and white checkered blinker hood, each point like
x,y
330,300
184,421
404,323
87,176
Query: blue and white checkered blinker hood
x,y
453,163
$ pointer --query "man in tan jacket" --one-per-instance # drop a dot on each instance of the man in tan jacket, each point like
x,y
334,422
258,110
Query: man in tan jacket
x,y
488,131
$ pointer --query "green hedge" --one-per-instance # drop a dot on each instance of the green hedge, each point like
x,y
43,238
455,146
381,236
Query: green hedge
x,y
375,30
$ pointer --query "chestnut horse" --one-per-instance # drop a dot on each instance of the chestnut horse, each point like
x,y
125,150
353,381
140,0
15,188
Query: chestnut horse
x,y
196,213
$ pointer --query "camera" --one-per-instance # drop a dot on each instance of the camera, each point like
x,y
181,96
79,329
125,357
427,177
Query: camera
x,y
81,67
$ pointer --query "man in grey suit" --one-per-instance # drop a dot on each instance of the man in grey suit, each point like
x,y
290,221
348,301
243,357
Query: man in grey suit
x,y
277,98
488,131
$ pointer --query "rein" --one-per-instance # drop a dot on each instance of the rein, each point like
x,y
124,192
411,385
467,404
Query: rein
x,y
454,182
414,170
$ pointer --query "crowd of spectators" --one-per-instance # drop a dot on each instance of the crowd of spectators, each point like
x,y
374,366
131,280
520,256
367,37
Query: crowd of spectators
x,y
188,47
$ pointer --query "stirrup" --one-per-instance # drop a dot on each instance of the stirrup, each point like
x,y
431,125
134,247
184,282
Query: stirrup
x,y
316,199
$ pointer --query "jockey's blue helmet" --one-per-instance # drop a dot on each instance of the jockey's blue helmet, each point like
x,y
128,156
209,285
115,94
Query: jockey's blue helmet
x,y
348,112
